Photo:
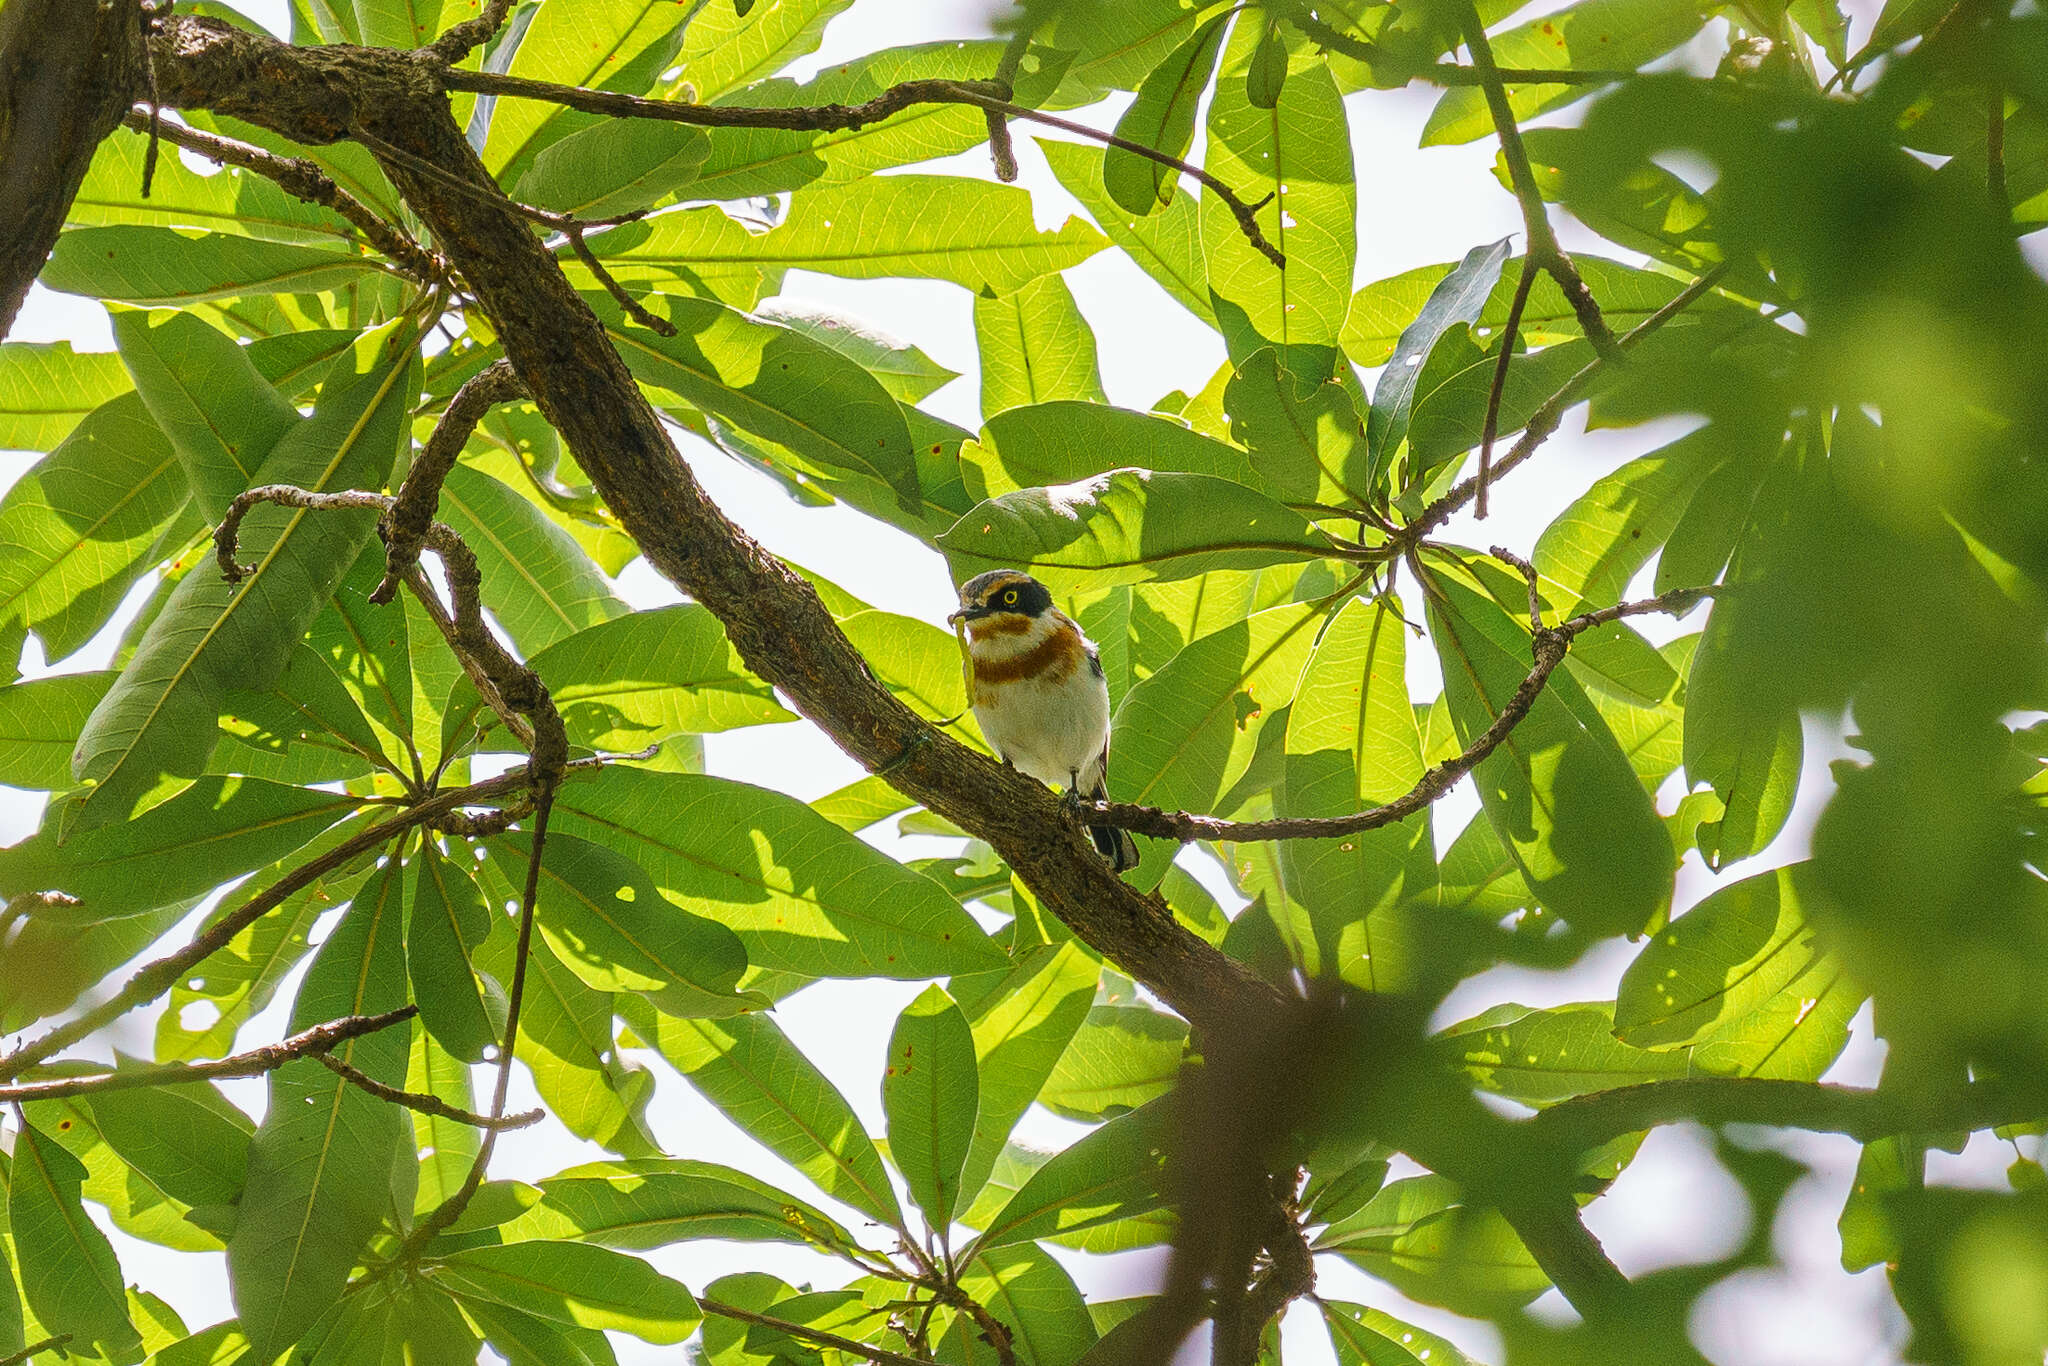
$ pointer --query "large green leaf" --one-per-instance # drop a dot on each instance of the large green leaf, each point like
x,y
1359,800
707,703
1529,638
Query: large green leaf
x,y
1558,790
580,1284
701,251
1022,1021
69,1275
776,384
615,166
159,266
83,524
1372,1337
231,201
1166,244
654,1202
1162,118
931,1095
320,1166
46,388
604,919
1035,347
188,1140
449,921
222,417
1299,153
906,372
39,722
1456,385
1033,1296
538,583
1130,526
214,830
1457,298
1121,1057
1594,548
1606,35
729,46
308,713
1539,1056
212,635
803,895
1115,1172
748,1068
1352,744
1414,1236
1066,440
1307,443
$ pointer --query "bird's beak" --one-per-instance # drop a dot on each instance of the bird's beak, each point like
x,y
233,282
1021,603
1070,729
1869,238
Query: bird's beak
x,y
956,618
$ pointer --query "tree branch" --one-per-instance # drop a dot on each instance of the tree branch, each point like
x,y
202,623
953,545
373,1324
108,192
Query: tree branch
x,y
302,179
1544,249
34,1349
426,1105
1548,646
881,1356
411,514
308,1043
1500,379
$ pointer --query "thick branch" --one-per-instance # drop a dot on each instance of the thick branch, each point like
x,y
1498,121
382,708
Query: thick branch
x,y
1548,646
303,179
309,1043
68,69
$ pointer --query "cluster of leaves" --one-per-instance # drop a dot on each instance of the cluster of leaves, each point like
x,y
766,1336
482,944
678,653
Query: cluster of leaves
x,y
1863,484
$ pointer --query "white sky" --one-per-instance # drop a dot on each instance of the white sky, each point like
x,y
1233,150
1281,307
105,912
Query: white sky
x,y
1416,207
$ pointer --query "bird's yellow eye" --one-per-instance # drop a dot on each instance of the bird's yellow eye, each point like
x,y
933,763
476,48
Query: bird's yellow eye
x,y
1010,597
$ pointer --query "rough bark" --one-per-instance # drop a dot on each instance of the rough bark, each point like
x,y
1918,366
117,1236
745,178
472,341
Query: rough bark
x,y
68,71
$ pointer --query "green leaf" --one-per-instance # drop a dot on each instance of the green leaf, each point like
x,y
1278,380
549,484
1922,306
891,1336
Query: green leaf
x,y
136,1205
1885,1170
84,523
1266,75
1035,347
1540,1056
1065,440
159,266
972,232
214,830
580,1284
1130,526
1121,1058
1030,1294
449,921
222,417
776,384
1416,1238
1742,739
654,1202
749,1069
320,1166
39,722
906,372
931,1094
188,1140
309,713
803,895
724,51
1309,446
399,23
1115,1172
1300,153
69,1275
538,583
1352,744
1163,118
615,166
46,389
700,251
161,714
1594,548
1166,244
1457,298
447,1147
1559,791
1022,1021
1371,1337
1456,384
1607,35
605,920
524,1340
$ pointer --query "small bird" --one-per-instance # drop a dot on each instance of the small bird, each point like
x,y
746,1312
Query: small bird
x,y
1039,694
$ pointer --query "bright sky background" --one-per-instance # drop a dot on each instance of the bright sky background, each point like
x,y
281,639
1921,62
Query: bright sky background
x,y
1416,207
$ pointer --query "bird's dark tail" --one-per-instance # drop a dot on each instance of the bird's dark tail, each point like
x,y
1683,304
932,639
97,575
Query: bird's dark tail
x,y
1116,845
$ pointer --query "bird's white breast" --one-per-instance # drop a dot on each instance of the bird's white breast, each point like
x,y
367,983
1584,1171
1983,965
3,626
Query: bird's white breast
x,y
1053,724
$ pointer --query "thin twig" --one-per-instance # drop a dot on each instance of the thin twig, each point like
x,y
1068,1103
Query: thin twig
x,y
1500,379
881,1356
33,1349
303,179
986,95
426,1105
1544,248
411,514
1543,423
1548,646
307,1043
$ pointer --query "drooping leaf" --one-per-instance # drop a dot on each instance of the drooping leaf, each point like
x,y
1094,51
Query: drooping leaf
x,y
1163,118
579,1284
69,1275
1166,244
1539,1056
1035,347
160,715
1130,526
803,895
654,1202
931,1094
319,1167
748,1068
1122,1057
1457,298
906,372
1033,1296
448,921
1067,440
83,524
1116,1172
46,388
140,265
